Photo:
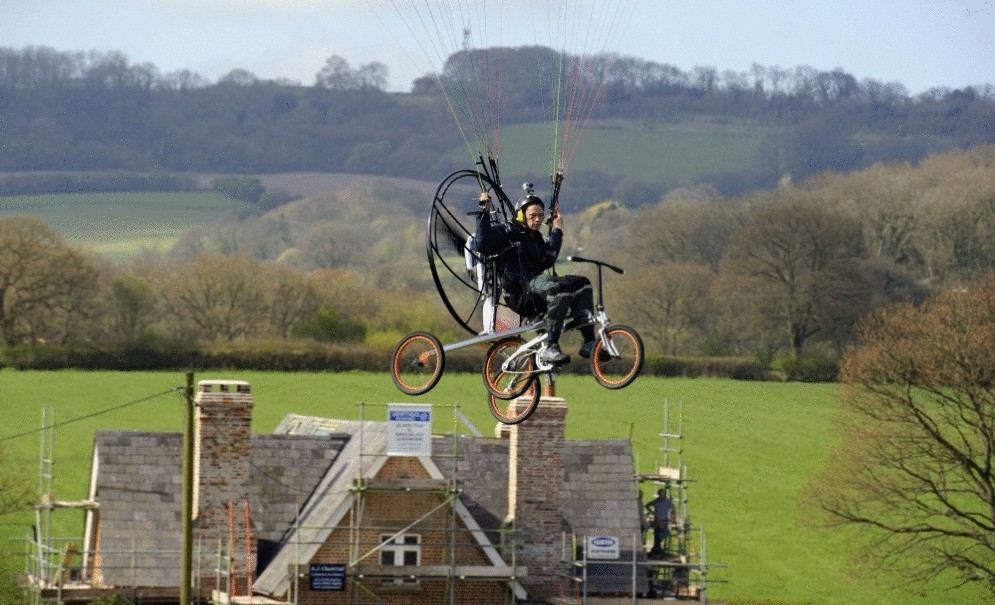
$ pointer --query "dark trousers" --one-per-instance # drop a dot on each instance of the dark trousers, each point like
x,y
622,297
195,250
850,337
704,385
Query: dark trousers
x,y
567,295
660,535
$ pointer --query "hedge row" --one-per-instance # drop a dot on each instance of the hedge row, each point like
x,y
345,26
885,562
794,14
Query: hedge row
x,y
291,357
308,356
93,182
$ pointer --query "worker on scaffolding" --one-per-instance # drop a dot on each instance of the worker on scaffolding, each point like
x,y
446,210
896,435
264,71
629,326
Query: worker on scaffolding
x,y
663,511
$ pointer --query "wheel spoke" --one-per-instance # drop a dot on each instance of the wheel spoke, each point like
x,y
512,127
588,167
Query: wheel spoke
x,y
508,371
417,363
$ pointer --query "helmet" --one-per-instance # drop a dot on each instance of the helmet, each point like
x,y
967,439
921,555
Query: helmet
x,y
525,202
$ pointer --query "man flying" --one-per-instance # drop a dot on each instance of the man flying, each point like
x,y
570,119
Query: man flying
x,y
524,263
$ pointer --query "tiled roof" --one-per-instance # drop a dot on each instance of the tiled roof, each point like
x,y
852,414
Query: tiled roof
x,y
139,491
600,489
482,470
361,456
138,486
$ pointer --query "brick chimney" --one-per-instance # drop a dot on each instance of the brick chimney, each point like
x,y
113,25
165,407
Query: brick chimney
x,y
535,495
221,452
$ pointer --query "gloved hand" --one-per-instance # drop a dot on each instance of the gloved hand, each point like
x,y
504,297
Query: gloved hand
x,y
484,201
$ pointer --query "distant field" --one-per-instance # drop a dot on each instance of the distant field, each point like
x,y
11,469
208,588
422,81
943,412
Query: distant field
x,y
669,155
749,447
121,226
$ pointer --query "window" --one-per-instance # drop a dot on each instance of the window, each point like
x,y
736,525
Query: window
x,y
403,549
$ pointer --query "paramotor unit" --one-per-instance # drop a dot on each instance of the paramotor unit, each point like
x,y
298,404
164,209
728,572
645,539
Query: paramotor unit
x,y
468,285
456,268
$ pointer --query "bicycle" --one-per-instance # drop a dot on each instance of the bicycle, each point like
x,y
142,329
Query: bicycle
x,y
513,366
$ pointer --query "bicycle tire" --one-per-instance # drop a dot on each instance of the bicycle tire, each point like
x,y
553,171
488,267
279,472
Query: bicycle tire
x,y
507,384
616,372
417,363
514,411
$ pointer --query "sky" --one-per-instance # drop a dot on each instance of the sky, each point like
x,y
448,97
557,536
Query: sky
x,y
921,44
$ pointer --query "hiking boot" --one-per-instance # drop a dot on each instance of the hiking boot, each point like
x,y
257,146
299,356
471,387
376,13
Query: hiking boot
x,y
588,347
552,354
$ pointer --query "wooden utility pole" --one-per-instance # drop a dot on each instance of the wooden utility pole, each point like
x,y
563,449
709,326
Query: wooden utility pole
x,y
186,564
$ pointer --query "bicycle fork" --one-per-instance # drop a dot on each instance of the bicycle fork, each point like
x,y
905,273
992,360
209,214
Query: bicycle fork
x,y
604,324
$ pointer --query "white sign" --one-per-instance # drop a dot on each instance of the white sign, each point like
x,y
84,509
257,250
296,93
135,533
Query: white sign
x,y
409,429
602,547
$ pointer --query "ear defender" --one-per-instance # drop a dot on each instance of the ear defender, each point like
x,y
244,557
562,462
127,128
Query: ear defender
x,y
525,202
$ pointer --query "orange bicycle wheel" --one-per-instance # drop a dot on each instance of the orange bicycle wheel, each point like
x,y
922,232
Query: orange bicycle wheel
x,y
513,411
417,363
510,382
617,366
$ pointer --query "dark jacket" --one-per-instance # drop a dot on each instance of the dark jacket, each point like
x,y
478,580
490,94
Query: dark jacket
x,y
523,253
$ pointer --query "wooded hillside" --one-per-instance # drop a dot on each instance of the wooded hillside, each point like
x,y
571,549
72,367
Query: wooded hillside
x,y
97,111
778,274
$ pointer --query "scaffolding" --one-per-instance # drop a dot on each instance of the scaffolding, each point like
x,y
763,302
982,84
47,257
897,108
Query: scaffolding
x,y
56,568
680,572
52,562
386,559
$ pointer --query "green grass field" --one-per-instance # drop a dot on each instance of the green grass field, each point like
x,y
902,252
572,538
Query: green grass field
x,y
749,447
668,155
120,226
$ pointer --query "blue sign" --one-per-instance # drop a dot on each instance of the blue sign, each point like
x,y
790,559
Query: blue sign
x,y
409,429
603,547
396,415
326,576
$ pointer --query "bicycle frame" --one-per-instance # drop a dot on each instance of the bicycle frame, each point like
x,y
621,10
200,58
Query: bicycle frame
x,y
537,344
601,320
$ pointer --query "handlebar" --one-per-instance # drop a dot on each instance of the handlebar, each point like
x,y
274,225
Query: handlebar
x,y
579,259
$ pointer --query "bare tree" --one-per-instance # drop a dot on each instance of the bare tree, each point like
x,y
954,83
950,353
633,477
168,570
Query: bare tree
x,y
668,302
288,298
215,297
915,468
688,226
332,244
184,79
374,75
239,77
886,200
45,285
227,298
793,270
132,305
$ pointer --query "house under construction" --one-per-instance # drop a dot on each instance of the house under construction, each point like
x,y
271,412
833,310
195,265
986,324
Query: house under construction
x,y
366,511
